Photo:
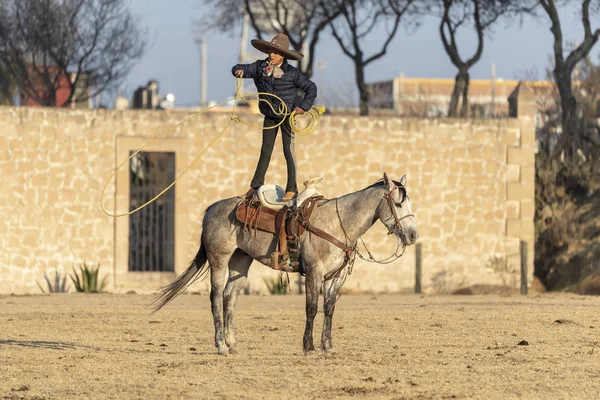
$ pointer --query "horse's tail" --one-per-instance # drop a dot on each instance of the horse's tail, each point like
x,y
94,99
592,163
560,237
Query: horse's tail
x,y
198,269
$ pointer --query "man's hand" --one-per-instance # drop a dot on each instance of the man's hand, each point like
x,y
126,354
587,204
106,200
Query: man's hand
x,y
239,73
299,111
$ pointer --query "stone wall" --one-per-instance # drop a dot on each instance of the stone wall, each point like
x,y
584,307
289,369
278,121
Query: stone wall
x,y
471,184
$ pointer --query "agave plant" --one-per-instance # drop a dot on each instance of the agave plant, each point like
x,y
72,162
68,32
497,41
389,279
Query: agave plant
x,y
59,285
88,281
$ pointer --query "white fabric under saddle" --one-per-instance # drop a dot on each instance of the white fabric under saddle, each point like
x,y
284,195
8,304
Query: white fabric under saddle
x,y
270,195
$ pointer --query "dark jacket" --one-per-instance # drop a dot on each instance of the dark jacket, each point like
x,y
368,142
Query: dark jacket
x,y
285,87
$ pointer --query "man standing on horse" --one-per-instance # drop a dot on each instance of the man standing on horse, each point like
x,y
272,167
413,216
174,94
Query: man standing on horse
x,y
274,75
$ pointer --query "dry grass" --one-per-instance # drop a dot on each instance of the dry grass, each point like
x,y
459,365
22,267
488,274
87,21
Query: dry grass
x,y
590,285
104,346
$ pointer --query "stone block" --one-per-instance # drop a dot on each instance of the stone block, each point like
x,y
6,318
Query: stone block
x,y
447,226
513,227
519,191
427,180
512,173
490,154
527,228
18,262
432,232
477,168
510,137
477,228
421,143
517,155
490,168
528,174
520,228
7,169
454,168
528,137
466,167
55,156
459,154
452,181
513,209
40,181
527,209
481,136
85,231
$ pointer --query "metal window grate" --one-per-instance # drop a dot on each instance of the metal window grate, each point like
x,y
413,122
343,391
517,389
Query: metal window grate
x,y
152,229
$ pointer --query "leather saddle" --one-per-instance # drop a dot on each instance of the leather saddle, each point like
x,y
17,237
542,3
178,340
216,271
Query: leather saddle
x,y
286,222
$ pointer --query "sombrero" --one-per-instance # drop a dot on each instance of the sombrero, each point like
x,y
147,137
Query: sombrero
x,y
280,43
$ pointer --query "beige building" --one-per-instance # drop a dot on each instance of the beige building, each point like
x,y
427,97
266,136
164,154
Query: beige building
x,y
430,97
471,183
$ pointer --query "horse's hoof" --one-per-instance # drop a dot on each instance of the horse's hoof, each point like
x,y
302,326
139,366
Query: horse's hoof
x,y
310,353
223,352
329,349
233,350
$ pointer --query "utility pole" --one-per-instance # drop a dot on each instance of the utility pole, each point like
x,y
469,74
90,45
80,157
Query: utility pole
x,y
202,50
243,45
493,113
204,72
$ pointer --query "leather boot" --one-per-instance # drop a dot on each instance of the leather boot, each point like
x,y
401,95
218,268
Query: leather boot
x,y
288,196
248,194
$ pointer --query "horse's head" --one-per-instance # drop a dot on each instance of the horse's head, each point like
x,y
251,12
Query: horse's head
x,y
396,211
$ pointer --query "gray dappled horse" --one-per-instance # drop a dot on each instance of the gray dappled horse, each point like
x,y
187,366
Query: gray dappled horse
x,y
230,249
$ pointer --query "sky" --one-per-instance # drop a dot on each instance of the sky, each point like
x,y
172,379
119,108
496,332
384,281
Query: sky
x,y
172,57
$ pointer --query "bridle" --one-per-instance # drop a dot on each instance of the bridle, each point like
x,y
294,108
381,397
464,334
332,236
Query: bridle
x,y
350,256
397,228
389,197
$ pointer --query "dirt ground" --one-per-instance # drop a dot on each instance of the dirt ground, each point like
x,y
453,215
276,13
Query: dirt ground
x,y
401,347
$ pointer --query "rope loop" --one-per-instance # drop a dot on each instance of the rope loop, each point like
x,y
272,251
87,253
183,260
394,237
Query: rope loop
x,y
309,129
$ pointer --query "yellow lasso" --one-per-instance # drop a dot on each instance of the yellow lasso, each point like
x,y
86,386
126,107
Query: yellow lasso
x,y
309,129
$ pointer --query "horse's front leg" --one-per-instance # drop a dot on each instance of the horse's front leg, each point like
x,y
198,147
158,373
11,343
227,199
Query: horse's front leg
x,y
314,279
330,292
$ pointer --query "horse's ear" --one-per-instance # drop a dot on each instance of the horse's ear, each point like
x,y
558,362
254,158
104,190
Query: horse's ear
x,y
387,181
403,181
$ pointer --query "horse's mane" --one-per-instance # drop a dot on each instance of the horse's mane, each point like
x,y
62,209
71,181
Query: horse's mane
x,y
380,182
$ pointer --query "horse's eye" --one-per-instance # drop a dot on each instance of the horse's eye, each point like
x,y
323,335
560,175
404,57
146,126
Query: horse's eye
x,y
398,204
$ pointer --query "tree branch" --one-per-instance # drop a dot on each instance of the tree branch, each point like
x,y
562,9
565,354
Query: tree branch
x,y
589,40
479,29
386,43
253,19
449,46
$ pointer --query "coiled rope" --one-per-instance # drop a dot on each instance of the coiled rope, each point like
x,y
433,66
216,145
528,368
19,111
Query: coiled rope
x,y
310,128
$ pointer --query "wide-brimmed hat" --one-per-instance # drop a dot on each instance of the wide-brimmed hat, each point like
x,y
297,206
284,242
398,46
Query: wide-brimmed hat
x,y
280,43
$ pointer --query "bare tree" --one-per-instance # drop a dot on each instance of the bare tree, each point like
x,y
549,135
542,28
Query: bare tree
x,y
301,20
479,15
564,64
6,88
84,46
357,20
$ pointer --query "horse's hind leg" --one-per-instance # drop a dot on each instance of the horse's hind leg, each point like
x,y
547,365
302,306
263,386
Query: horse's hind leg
x,y
238,273
330,292
219,265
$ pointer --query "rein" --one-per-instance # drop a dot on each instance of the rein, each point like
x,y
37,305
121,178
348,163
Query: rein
x,y
350,252
388,196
